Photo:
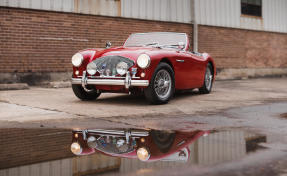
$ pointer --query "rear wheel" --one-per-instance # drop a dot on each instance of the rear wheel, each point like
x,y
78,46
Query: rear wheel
x,y
85,94
161,87
208,80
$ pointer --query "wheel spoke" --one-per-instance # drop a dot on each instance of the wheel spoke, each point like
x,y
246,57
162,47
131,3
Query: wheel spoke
x,y
157,90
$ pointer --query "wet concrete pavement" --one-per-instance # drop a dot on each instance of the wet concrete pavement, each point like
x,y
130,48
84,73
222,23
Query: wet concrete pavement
x,y
238,115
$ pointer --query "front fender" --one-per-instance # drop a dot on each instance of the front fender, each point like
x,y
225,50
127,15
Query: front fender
x,y
150,70
88,55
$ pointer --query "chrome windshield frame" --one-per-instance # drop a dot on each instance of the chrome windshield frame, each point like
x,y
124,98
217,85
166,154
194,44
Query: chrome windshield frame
x,y
186,39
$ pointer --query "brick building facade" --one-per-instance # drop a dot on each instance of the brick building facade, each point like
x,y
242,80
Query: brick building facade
x,y
35,43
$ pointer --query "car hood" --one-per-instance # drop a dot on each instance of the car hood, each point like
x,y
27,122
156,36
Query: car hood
x,y
131,52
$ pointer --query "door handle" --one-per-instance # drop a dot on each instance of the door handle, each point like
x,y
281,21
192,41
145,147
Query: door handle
x,y
178,60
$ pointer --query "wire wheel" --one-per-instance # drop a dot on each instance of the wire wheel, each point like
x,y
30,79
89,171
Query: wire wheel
x,y
162,84
208,78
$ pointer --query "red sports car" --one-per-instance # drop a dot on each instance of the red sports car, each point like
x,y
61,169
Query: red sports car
x,y
156,64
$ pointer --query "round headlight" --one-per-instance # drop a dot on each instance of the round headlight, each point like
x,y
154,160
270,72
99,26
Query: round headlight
x,y
143,154
76,148
122,68
143,61
77,59
92,68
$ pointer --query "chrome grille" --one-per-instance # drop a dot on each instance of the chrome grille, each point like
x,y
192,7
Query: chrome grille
x,y
106,65
103,145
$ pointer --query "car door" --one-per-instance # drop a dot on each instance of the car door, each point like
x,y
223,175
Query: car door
x,y
197,71
189,70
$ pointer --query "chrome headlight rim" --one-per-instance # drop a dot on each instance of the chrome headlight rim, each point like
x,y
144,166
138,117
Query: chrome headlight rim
x,y
143,151
92,68
122,68
143,61
76,148
91,71
77,59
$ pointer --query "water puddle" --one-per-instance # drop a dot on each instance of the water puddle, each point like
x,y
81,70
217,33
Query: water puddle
x,y
99,151
284,115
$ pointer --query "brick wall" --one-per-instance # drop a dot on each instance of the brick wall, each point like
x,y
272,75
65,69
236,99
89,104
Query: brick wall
x,y
36,44
27,146
237,48
42,41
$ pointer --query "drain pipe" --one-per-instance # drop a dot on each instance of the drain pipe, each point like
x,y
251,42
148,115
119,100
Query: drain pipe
x,y
194,27
195,37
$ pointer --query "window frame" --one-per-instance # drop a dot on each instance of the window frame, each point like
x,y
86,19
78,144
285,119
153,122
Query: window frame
x,y
251,5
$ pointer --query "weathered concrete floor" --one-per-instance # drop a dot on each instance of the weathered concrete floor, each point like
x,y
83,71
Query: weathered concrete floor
x,y
44,104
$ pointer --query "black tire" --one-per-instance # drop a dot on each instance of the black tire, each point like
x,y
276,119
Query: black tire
x,y
206,89
82,94
150,92
163,140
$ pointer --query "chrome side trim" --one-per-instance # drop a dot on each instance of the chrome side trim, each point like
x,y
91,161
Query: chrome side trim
x,y
178,60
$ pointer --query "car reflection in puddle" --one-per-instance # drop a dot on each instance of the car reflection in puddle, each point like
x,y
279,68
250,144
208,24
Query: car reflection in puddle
x,y
138,149
150,145
117,151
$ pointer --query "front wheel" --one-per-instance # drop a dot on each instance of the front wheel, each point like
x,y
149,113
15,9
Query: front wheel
x,y
161,87
85,94
208,80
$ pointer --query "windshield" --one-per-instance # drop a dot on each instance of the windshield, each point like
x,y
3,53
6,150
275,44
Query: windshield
x,y
157,39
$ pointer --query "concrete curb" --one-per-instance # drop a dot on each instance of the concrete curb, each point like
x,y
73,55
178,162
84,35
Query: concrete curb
x,y
246,73
15,86
60,84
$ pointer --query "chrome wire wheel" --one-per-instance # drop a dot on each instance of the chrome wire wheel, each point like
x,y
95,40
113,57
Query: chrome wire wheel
x,y
162,84
208,78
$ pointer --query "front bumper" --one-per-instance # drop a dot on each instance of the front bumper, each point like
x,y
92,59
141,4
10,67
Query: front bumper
x,y
126,81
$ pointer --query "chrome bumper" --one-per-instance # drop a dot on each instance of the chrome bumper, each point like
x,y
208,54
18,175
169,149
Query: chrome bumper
x,y
128,134
127,81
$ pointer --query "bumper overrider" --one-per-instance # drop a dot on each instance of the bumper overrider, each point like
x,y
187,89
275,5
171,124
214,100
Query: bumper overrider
x,y
126,81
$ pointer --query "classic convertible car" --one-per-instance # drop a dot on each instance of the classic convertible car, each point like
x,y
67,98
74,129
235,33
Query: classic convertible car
x,y
156,64
145,145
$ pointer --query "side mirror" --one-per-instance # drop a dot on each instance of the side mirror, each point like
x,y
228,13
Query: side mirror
x,y
181,45
108,44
